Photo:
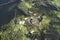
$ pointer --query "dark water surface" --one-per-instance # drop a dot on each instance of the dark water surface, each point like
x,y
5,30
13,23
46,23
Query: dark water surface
x,y
5,14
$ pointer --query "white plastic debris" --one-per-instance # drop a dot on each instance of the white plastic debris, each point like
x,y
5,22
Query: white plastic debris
x,y
26,18
33,4
32,31
21,22
34,14
30,12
